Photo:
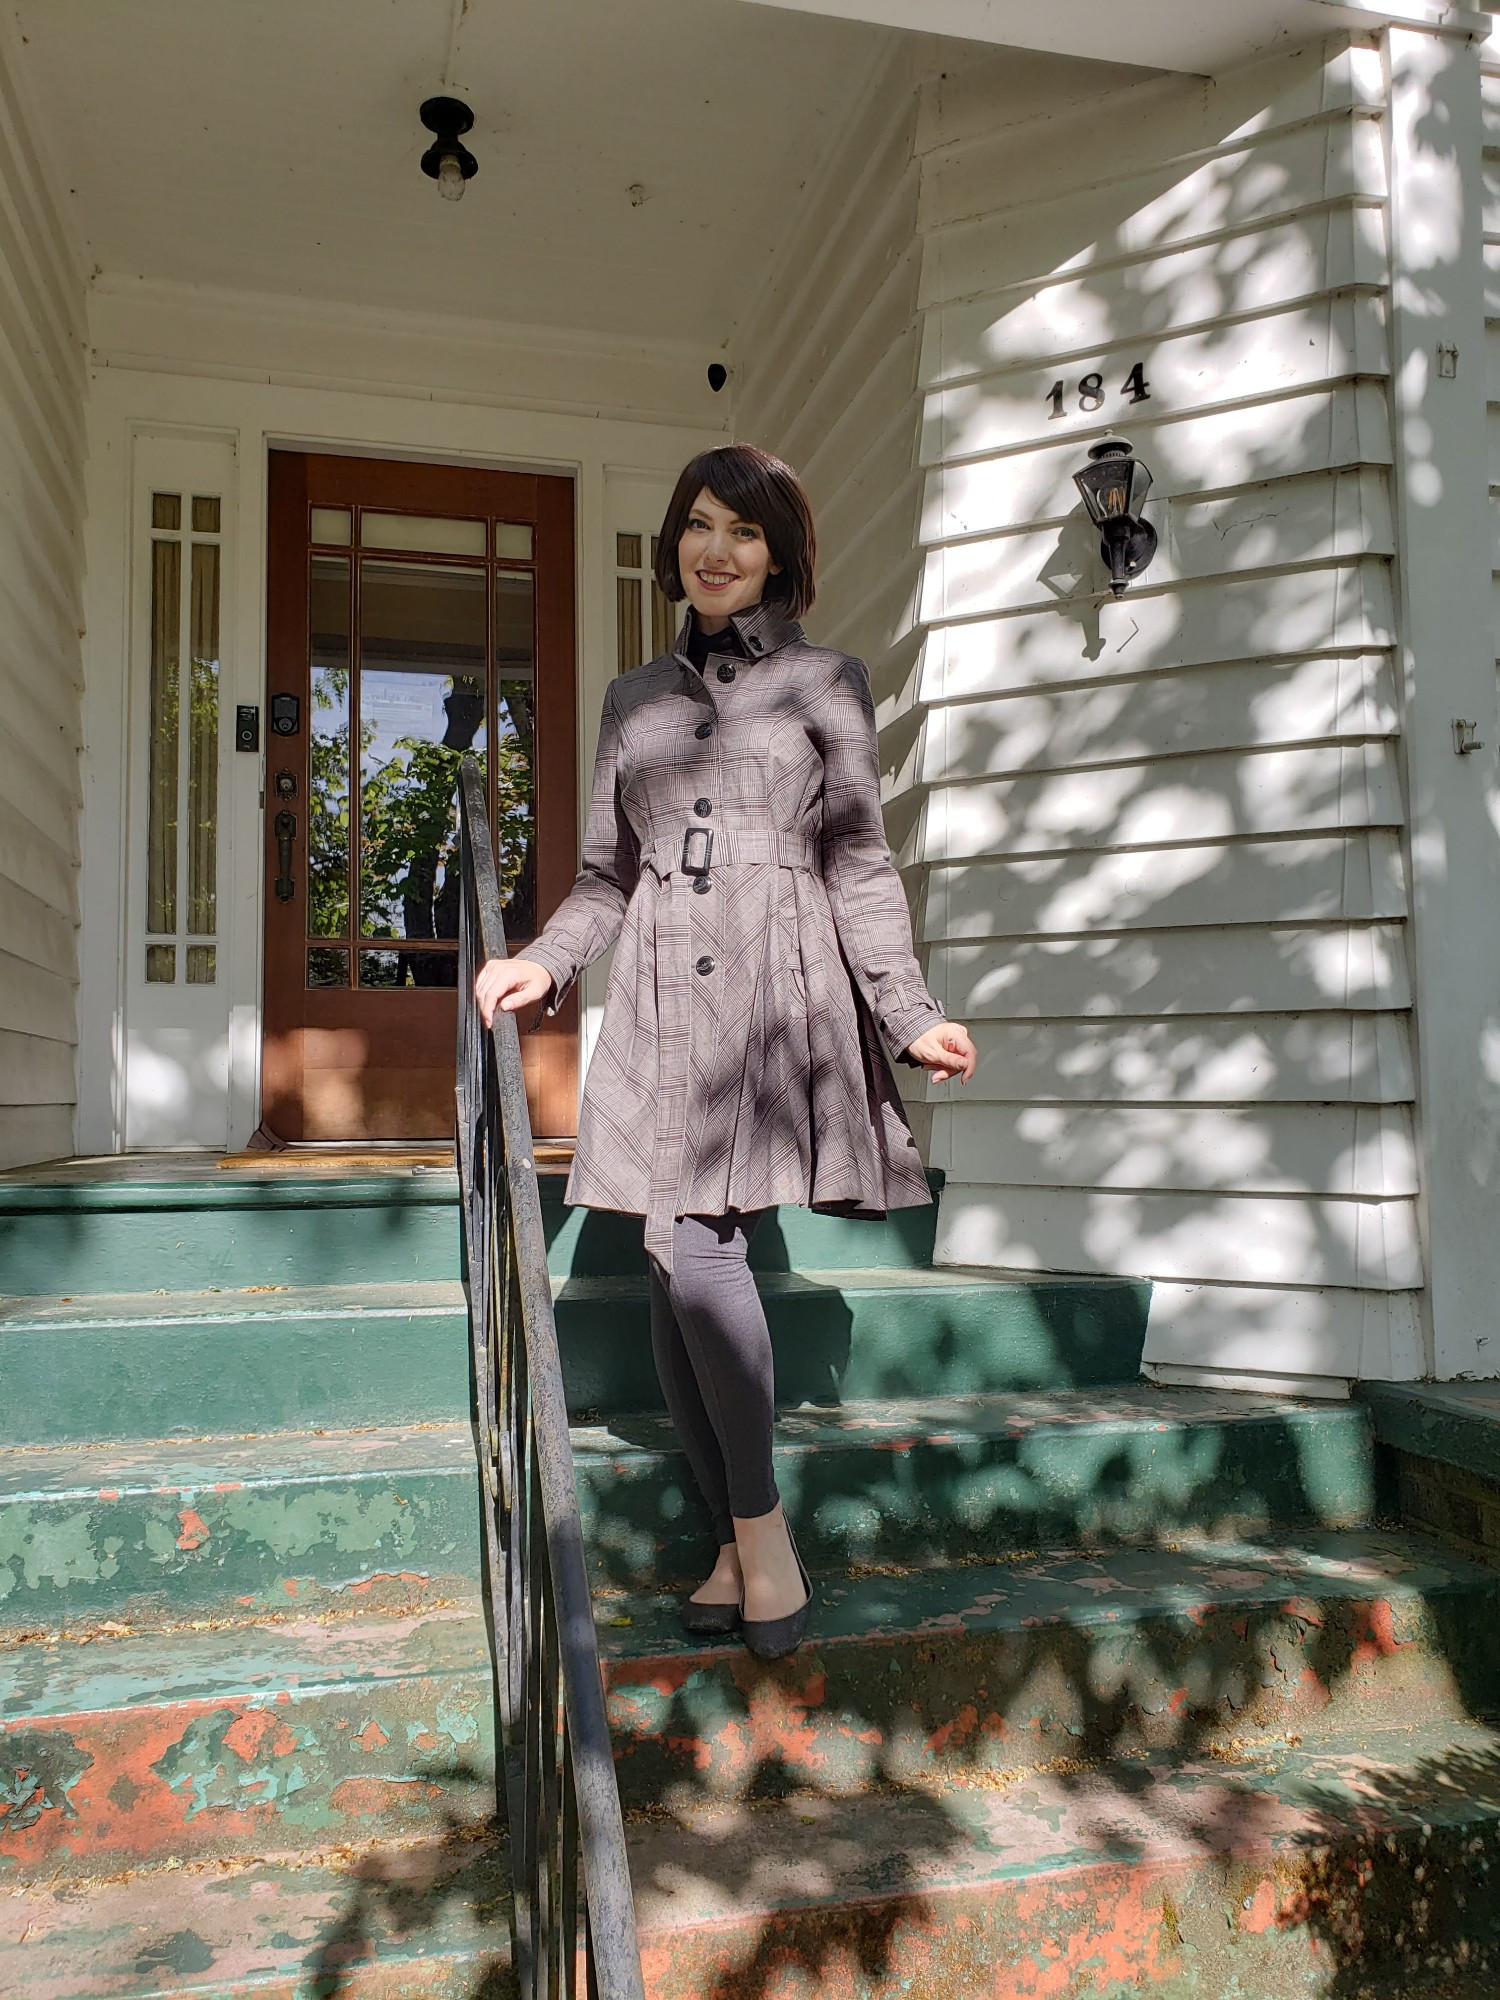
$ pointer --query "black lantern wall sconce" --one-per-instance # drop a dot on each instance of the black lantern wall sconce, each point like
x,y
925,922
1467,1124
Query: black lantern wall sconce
x,y
1114,487
447,160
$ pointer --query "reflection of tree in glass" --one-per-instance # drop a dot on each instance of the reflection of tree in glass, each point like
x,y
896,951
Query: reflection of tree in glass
x,y
328,805
409,884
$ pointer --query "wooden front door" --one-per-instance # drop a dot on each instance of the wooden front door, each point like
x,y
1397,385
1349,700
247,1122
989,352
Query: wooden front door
x,y
416,613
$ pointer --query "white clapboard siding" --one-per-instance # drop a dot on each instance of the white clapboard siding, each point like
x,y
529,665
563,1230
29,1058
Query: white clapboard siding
x,y
34,1070
1228,1334
1319,519
1318,430
828,378
1206,798
41,511
1334,608
1337,249
1154,845
1273,354
1333,1058
1246,187
1245,969
1490,84
1251,706
1354,878
1297,1241
1337,1149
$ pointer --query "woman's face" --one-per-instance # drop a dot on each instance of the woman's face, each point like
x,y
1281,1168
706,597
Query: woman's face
x,y
722,560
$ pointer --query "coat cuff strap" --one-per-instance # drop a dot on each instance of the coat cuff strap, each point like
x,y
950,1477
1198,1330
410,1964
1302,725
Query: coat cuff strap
x,y
562,971
905,1023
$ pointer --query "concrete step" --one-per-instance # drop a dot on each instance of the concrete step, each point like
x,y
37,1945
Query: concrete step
x,y
1348,1867
92,1367
394,1921
123,1750
157,1532
187,1234
1354,1866
930,1479
972,1673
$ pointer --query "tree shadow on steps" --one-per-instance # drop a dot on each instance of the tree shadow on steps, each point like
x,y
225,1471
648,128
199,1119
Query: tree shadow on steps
x,y
447,1891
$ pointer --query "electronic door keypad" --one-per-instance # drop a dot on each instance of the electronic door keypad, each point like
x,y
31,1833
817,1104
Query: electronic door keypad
x,y
286,715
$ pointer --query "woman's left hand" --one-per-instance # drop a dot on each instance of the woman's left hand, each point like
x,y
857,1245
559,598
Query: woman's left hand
x,y
946,1050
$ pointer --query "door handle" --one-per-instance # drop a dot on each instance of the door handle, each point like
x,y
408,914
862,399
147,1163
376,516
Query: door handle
x,y
285,825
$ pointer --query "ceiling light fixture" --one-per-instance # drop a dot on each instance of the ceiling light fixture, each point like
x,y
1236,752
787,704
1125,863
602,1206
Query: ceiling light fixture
x,y
447,160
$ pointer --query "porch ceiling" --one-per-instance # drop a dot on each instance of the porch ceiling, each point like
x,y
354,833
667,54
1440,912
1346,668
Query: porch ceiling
x,y
1199,36
272,146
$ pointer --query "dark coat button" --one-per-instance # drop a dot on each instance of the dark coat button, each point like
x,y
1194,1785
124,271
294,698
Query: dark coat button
x,y
705,965
756,645
704,729
726,671
703,807
701,885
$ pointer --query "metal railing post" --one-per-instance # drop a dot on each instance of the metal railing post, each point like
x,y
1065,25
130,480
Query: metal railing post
x,y
574,1914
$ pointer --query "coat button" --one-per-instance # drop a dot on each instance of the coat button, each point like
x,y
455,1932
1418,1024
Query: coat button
x,y
701,885
705,965
756,645
703,807
703,729
726,671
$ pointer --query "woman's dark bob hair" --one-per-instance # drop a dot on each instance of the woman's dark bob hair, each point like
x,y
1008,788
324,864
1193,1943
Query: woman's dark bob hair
x,y
759,489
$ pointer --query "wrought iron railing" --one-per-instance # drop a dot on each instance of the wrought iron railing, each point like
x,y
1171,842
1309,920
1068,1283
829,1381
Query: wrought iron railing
x,y
574,1924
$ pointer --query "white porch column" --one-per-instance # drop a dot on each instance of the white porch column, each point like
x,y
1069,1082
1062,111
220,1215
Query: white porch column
x,y
1448,658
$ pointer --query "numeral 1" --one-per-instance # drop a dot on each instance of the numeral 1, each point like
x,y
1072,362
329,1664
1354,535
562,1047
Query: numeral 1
x,y
1055,396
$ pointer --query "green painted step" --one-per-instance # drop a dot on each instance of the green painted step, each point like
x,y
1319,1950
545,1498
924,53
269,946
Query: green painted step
x,y
412,1921
234,1526
188,1235
975,1671
1291,1874
969,1477
186,1364
1457,1423
219,1742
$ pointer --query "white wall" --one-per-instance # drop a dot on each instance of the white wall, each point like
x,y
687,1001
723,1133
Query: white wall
x,y
41,568
175,372
1163,837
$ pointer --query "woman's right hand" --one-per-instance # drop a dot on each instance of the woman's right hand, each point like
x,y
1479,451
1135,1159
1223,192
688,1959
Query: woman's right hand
x,y
509,984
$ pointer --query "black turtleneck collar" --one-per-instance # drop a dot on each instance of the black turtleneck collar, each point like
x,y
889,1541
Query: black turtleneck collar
x,y
701,644
749,635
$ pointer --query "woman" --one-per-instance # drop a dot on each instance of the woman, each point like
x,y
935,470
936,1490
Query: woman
x,y
736,851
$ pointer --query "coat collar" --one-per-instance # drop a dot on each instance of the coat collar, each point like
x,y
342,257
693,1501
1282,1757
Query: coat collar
x,y
760,629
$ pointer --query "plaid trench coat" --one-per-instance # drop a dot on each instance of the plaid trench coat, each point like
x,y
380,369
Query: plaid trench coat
x,y
735,851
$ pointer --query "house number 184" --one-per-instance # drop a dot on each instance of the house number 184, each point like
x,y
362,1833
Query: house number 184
x,y
1091,391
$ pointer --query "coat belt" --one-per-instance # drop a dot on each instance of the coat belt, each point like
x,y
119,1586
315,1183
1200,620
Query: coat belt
x,y
732,847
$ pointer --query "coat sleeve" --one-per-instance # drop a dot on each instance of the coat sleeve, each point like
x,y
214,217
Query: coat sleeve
x,y
587,921
869,903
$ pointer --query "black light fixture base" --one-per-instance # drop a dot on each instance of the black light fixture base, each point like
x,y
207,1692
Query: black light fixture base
x,y
448,118
1127,547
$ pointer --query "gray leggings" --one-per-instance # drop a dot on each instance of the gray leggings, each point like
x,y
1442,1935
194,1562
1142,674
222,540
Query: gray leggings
x,y
713,1357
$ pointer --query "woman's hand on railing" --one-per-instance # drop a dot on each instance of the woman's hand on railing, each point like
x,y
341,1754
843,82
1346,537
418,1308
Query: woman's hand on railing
x,y
510,984
946,1051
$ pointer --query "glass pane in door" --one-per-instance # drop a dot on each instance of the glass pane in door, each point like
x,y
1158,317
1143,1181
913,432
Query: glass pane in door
x,y
328,772
515,749
421,708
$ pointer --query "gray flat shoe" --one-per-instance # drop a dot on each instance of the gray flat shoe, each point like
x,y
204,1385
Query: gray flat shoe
x,y
709,1620
774,1638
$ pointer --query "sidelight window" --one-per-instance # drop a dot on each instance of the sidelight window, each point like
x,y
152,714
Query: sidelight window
x,y
182,763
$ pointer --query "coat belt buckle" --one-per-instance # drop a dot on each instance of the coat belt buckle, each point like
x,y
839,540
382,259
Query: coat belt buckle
x,y
696,862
